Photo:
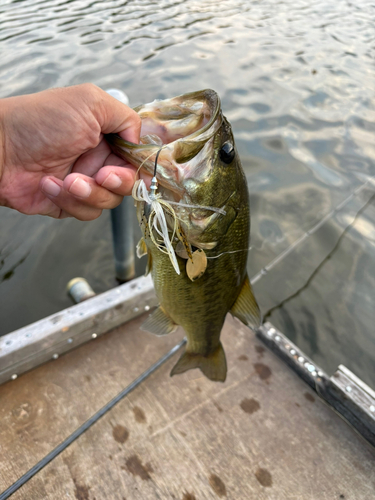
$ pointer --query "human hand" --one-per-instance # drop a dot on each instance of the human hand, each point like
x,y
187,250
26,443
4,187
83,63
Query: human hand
x,y
54,159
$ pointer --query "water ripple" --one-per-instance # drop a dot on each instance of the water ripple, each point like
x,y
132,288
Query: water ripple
x,y
296,80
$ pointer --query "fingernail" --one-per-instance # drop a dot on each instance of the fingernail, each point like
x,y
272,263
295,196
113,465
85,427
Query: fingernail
x,y
50,187
80,188
113,181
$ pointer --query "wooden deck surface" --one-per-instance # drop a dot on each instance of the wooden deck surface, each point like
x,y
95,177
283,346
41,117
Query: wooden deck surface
x,y
262,435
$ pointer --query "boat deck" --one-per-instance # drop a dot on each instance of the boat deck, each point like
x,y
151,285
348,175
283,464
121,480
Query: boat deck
x,y
263,434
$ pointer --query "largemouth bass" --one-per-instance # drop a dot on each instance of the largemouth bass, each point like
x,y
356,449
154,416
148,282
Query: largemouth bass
x,y
198,260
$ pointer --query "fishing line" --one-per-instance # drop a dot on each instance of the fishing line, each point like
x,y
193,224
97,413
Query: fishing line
x,y
156,161
232,251
148,157
288,250
84,427
315,272
205,207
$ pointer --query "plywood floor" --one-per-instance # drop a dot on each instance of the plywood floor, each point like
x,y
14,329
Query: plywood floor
x,y
262,435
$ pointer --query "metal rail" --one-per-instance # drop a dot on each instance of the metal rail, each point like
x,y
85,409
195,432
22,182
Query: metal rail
x,y
344,391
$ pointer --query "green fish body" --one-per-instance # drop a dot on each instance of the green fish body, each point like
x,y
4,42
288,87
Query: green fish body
x,y
199,172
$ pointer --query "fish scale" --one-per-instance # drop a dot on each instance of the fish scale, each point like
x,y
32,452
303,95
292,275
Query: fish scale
x,y
202,168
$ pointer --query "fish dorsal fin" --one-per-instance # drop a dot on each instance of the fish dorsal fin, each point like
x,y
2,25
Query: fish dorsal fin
x,y
159,323
246,308
213,366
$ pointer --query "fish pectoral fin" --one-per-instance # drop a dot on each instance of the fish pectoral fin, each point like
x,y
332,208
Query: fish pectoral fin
x,y
246,308
213,366
159,323
141,248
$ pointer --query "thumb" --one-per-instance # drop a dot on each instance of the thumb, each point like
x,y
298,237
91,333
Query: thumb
x,y
115,117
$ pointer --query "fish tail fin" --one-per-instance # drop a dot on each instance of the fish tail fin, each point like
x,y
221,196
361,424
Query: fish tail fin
x,y
213,366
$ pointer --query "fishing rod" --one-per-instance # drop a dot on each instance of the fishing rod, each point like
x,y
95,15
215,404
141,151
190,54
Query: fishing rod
x,y
86,425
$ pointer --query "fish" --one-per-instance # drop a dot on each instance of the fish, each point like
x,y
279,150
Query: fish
x,y
195,223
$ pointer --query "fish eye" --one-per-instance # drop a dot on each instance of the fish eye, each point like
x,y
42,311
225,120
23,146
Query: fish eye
x,y
227,153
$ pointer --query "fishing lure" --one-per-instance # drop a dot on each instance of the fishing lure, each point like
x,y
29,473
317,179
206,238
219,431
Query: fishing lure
x,y
156,211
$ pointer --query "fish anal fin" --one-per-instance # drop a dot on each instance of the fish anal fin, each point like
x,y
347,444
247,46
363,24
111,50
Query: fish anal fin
x,y
246,308
213,366
159,323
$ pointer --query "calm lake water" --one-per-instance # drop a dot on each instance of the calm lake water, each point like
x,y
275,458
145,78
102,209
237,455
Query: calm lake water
x,y
296,79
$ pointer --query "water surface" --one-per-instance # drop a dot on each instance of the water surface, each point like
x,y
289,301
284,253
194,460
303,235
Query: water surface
x,y
296,81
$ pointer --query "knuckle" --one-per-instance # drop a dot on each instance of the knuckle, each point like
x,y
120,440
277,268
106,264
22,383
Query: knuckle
x,y
92,214
109,200
103,200
89,88
92,136
137,119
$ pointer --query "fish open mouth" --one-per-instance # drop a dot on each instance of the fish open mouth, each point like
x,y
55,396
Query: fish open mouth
x,y
182,117
183,129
